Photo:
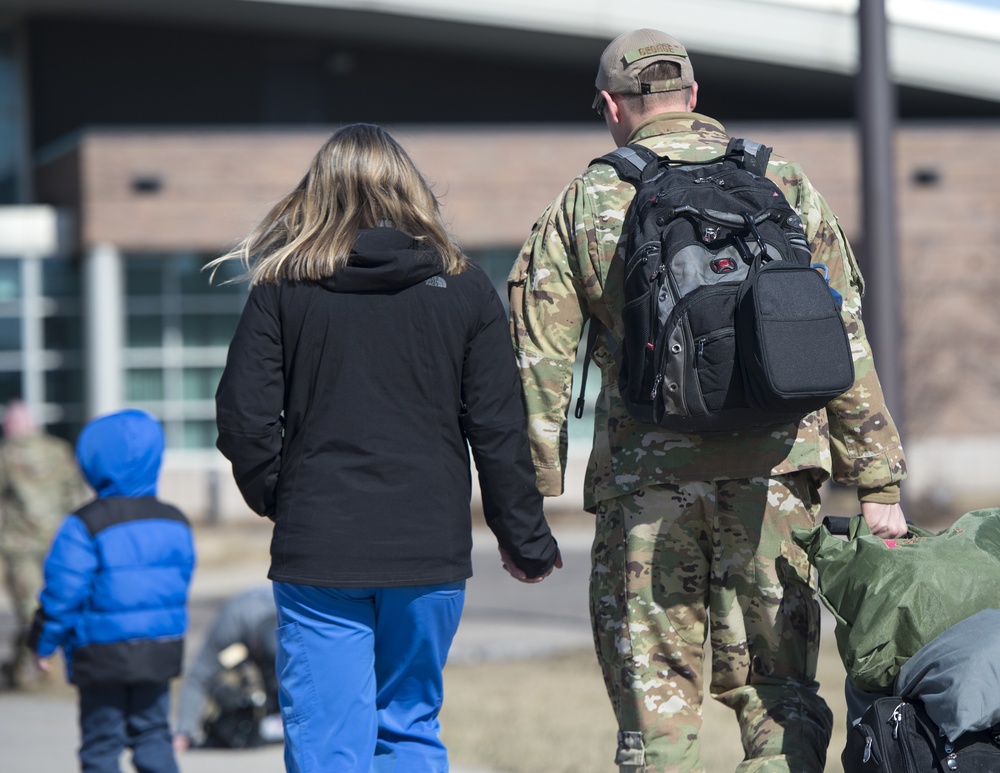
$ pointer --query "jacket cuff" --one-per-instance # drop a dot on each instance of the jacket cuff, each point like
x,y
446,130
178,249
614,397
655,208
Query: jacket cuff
x,y
549,481
886,495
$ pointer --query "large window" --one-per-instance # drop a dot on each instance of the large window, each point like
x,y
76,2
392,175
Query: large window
x,y
41,340
10,118
178,328
62,336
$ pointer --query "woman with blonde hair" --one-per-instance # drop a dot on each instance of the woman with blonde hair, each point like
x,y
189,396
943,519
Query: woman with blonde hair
x,y
370,356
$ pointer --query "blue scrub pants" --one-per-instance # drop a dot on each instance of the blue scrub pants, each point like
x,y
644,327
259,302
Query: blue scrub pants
x,y
359,673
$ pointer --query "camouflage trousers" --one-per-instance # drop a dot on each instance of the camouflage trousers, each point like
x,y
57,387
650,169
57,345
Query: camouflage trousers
x,y
676,564
24,577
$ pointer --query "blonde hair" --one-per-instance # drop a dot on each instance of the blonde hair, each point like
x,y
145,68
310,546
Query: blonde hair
x,y
360,178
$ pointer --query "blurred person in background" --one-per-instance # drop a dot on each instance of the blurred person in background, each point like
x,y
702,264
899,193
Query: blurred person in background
x,y
229,696
370,356
40,482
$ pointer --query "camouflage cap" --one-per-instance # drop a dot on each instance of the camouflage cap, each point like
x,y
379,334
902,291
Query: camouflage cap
x,y
631,52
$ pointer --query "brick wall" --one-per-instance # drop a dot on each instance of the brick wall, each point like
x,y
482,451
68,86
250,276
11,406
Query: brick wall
x,y
493,183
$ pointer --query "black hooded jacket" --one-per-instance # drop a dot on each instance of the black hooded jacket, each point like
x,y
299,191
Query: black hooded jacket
x,y
347,408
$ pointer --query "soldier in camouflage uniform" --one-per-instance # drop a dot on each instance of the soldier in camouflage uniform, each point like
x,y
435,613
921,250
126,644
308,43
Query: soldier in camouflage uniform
x,y
692,531
40,483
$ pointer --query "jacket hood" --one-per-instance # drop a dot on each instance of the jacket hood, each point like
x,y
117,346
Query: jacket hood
x,y
120,454
384,259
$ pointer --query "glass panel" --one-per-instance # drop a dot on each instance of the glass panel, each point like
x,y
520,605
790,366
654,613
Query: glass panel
x,y
10,385
200,434
208,329
67,430
230,272
143,277
173,307
9,120
7,80
193,280
10,280
174,433
63,333
145,330
497,264
8,179
64,386
61,279
10,334
144,384
201,383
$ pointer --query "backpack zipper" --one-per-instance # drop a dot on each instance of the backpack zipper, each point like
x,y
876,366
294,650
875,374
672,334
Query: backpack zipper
x,y
645,252
672,322
656,332
724,332
904,746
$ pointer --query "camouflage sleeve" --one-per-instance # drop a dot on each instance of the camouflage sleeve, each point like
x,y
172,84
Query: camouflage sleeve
x,y
547,312
3,488
864,442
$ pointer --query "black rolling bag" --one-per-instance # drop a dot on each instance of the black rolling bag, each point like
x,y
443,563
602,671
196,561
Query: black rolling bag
x,y
895,735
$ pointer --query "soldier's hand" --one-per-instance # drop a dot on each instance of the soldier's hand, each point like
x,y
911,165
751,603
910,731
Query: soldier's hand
x,y
43,664
181,742
885,521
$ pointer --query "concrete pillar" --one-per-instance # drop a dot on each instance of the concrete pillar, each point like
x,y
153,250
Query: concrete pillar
x,y
31,335
104,329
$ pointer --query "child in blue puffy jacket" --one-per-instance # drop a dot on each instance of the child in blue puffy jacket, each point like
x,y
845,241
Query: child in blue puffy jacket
x,y
115,597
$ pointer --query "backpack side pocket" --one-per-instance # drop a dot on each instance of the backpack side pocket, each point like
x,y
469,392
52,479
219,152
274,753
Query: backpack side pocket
x,y
795,355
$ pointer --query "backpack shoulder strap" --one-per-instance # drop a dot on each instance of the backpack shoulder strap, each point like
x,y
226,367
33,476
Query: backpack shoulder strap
x,y
593,332
751,155
629,161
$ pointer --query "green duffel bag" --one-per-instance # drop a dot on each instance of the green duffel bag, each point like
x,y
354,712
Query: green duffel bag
x,y
891,597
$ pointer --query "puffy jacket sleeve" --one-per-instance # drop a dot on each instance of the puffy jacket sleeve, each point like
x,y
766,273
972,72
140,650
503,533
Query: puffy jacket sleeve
x,y
69,571
250,400
494,424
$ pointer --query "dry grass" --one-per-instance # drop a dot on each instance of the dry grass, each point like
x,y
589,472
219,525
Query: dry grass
x,y
552,715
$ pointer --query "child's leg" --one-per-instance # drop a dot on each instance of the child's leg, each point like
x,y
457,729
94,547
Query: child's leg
x,y
149,728
102,728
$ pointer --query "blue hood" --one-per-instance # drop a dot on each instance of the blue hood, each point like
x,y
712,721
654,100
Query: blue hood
x,y
120,454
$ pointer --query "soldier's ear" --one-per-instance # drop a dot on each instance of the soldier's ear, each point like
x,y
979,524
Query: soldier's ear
x,y
694,97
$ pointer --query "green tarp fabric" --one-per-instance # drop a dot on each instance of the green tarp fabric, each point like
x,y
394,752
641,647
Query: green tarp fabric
x,y
891,597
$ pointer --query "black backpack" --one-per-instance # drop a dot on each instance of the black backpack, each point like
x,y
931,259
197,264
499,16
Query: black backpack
x,y
726,324
895,735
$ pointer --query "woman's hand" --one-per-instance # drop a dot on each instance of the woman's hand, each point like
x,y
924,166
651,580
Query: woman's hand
x,y
519,574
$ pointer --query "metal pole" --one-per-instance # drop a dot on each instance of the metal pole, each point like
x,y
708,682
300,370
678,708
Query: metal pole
x,y
877,112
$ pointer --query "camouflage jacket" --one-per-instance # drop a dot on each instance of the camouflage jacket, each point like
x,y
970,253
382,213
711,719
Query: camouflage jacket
x,y
570,269
40,484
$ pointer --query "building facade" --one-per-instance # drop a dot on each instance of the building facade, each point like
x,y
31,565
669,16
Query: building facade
x,y
133,151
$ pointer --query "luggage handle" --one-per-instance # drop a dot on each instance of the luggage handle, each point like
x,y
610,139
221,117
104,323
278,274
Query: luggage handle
x,y
840,525
837,525
728,219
